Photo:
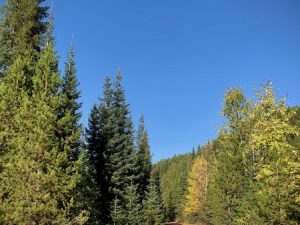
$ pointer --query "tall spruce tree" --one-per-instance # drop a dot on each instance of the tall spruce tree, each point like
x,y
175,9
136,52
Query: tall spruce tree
x,y
69,134
103,168
98,133
122,157
153,205
92,134
144,158
69,129
111,150
23,27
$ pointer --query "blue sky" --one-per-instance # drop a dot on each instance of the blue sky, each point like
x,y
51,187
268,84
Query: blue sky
x,y
179,57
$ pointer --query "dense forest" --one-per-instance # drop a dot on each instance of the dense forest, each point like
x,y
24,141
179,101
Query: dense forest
x,y
174,177
55,171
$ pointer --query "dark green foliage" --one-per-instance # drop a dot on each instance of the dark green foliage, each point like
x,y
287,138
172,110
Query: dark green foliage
x,y
173,174
133,207
144,158
120,155
97,136
69,133
227,185
111,149
122,158
93,136
153,205
118,215
69,129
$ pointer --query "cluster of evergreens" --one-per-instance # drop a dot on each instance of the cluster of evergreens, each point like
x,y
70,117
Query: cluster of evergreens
x,y
129,189
48,173
250,173
173,174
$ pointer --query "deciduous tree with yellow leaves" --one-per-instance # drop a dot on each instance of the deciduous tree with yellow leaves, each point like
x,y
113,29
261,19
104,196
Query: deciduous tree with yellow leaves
x,y
197,188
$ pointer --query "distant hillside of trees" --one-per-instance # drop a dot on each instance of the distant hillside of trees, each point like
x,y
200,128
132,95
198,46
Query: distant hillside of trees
x,y
173,173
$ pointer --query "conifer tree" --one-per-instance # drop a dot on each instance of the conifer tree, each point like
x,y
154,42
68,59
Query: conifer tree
x,y
173,174
144,158
93,135
38,181
11,95
122,158
53,188
69,129
22,28
111,150
153,205
133,208
69,134
223,189
97,135
118,214
103,168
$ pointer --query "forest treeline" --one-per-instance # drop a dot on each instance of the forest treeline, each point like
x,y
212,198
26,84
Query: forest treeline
x,y
250,174
173,173
55,171
52,171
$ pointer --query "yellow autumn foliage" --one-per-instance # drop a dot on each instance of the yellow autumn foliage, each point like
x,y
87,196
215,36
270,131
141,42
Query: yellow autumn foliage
x,y
197,187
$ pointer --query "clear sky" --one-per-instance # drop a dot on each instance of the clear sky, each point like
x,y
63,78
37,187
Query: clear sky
x,y
178,58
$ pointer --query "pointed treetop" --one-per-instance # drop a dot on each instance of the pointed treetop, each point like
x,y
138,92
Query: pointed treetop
x,y
142,122
119,78
107,82
119,92
50,25
141,127
107,91
71,59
